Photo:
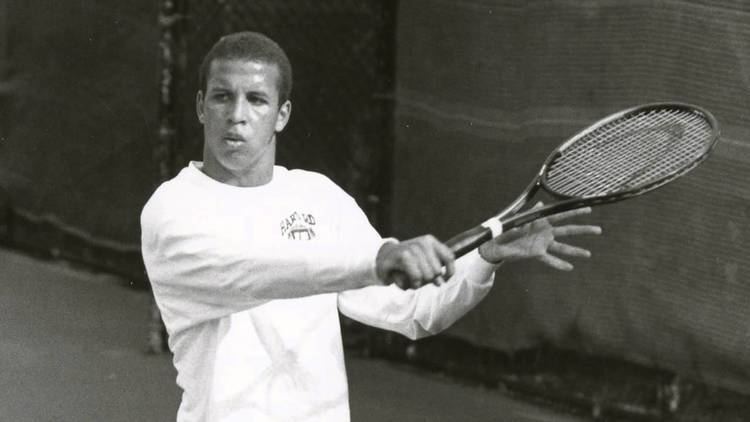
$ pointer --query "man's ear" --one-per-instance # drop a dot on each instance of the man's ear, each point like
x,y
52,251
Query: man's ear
x,y
199,105
283,117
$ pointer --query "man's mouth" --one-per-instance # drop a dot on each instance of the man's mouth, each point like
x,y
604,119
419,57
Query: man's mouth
x,y
233,140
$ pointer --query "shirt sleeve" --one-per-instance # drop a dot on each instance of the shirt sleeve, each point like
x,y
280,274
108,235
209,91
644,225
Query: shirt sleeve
x,y
413,313
198,275
424,311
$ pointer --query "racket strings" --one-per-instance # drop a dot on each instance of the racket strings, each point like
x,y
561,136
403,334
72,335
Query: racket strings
x,y
683,149
623,173
582,166
627,165
626,171
630,152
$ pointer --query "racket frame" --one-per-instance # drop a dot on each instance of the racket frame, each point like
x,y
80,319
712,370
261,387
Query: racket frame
x,y
466,241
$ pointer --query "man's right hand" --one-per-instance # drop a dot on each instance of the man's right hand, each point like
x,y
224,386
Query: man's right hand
x,y
414,262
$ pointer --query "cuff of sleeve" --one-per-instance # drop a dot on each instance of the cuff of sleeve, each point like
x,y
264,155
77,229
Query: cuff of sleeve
x,y
479,270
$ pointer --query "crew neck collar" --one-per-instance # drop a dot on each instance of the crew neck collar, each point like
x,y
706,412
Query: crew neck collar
x,y
195,171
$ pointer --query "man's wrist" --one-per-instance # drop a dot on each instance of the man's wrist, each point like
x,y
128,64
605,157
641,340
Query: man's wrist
x,y
486,258
380,274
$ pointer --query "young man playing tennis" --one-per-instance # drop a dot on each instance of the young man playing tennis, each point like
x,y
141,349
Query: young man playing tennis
x,y
250,263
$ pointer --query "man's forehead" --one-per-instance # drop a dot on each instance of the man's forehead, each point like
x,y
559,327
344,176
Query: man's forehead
x,y
241,66
229,72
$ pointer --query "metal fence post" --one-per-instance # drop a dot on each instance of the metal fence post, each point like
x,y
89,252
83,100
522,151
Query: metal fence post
x,y
171,65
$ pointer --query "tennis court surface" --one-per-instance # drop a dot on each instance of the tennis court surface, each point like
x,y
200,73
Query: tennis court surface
x,y
72,349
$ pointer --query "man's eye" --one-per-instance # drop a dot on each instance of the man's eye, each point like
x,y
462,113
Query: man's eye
x,y
221,96
253,99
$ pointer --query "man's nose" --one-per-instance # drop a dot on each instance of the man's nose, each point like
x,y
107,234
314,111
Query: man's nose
x,y
238,111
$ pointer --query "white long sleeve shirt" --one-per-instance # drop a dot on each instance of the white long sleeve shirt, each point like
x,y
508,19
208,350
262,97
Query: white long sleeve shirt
x,y
249,282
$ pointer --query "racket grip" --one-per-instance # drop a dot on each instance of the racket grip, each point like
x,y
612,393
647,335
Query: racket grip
x,y
465,242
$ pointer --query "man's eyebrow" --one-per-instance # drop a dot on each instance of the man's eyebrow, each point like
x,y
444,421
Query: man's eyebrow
x,y
219,82
218,87
258,93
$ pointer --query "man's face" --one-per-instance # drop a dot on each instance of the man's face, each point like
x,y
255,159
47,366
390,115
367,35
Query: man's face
x,y
240,114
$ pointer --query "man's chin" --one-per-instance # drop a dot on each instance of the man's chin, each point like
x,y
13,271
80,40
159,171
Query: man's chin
x,y
238,163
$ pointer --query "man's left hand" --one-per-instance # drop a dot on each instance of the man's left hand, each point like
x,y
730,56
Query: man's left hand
x,y
539,240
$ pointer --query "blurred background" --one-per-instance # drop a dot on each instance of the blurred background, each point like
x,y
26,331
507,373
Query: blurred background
x,y
432,114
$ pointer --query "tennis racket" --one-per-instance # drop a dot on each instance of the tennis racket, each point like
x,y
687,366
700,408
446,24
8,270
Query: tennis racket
x,y
621,156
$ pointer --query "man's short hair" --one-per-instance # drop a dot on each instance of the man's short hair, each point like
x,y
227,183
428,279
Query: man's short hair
x,y
251,46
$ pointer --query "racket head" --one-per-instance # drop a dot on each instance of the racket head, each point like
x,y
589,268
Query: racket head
x,y
630,153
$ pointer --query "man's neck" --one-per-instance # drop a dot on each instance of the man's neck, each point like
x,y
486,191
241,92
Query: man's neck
x,y
256,176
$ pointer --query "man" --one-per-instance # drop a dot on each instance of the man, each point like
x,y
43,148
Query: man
x,y
250,262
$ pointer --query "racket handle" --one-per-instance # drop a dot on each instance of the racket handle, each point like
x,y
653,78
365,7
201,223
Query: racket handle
x,y
465,242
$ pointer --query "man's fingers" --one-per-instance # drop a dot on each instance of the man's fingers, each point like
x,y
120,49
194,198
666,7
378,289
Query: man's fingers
x,y
426,263
450,269
556,262
576,229
400,279
417,266
407,274
569,250
431,260
568,214
433,256
447,259
416,262
414,268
